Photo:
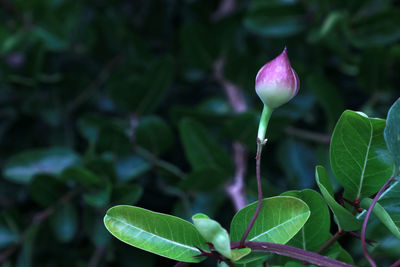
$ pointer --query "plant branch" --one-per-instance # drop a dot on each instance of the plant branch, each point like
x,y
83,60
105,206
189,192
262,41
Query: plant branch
x,y
331,240
260,144
37,219
364,226
293,252
396,264
235,190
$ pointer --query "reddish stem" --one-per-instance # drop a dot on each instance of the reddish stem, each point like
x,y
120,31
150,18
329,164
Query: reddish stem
x,y
259,203
364,226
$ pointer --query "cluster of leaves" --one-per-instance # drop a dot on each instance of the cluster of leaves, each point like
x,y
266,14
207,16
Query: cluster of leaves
x,y
77,78
362,163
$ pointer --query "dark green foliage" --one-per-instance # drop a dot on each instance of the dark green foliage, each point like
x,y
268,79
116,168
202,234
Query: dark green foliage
x,y
106,103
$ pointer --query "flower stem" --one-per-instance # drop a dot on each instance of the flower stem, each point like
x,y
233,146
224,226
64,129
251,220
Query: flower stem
x,y
262,128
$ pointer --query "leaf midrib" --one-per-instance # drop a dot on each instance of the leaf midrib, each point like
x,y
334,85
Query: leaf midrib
x,y
365,161
279,225
152,234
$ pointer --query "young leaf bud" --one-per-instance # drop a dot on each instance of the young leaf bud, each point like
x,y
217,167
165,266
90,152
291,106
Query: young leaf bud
x,y
277,82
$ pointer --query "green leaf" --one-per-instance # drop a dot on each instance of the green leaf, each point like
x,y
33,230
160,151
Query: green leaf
x,y
238,254
128,194
275,18
376,29
130,168
46,189
382,215
280,219
392,133
64,222
359,158
345,220
316,231
204,180
148,88
154,134
22,167
81,176
201,149
213,232
161,234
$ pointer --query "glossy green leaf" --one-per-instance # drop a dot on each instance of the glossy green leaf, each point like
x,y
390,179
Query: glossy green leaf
x,y
22,167
154,134
316,231
280,219
275,18
345,220
213,232
359,158
162,234
64,222
382,215
392,133
201,149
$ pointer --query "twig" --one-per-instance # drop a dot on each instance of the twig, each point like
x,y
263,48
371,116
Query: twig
x,y
260,198
225,9
396,264
101,78
308,135
235,190
364,226
328,243
293,252
37,219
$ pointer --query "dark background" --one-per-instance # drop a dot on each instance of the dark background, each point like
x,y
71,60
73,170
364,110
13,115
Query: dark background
x,y
78,78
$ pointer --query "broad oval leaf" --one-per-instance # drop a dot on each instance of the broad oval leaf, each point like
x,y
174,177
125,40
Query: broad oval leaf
x,y
280,219
64,222
161,234
359,158
316,230
344,219
392,133
22,167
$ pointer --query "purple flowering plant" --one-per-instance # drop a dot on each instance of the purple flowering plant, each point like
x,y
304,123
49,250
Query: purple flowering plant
x,y
292,229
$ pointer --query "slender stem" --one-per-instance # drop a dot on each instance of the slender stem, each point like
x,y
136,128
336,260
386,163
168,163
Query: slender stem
x,y
295,253
262,127
364,226
259,203
330,241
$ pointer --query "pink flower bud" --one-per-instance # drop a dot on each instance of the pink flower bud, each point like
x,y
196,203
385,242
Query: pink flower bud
x,y
277,82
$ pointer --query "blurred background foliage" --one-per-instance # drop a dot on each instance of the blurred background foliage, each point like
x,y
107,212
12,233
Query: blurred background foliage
x,y
125,102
